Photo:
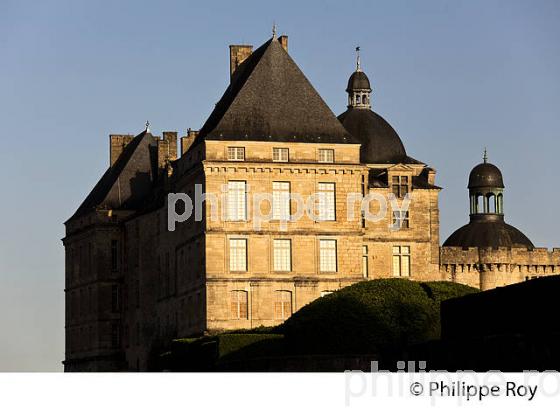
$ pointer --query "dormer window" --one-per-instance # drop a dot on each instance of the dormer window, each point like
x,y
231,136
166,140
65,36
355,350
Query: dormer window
x,y
400,185
326,155
236,154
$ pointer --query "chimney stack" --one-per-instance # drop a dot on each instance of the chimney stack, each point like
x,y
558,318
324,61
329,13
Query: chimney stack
x,y
187,141
238,54
283,39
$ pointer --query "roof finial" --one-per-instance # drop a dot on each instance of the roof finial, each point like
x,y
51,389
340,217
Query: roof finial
x,y
273,29
485,156
358,59
147,126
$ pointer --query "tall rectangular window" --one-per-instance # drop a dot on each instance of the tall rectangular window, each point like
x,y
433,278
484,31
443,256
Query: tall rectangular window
x,y
283,304
115,298
238,255
400,186
326,202
282,255
326,155
365,261
115,335
281,201
401,260
236,154
280,154
239,304
401,219
237,201
327,255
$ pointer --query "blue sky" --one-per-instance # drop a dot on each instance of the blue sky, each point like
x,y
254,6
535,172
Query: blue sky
x,y
451,76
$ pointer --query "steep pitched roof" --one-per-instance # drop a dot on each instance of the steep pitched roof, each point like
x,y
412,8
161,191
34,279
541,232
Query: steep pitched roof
x,y
125,184
270,99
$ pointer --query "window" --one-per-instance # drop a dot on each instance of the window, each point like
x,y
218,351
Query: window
x,y
401,260
239,303
115,335
236,153
281,201
365,261
282,255
401,219
326,202
327,255
238,255
283,304
400,186
237,201
115,299
280,154
326,155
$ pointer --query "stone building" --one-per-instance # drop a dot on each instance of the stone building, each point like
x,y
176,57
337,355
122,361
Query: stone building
x,y
487,252
132,284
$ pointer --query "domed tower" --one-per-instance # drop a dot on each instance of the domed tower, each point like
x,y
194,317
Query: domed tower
x,y
380,143
487,227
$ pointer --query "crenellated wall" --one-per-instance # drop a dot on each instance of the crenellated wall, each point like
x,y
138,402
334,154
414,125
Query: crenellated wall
x,y
488,268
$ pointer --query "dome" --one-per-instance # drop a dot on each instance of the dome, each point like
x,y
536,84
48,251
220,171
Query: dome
x,y
488,233
358,81
380,142
486,175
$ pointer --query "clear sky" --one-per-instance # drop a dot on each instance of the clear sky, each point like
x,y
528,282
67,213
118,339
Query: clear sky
x,y
451,76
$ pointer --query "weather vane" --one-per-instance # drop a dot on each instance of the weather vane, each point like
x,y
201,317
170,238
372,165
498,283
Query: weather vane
x,y
147,126
485,156
358,58
273,29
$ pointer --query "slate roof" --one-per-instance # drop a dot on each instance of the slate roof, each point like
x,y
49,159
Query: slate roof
x,y
488,231
270,99
486,175
380,142
127,183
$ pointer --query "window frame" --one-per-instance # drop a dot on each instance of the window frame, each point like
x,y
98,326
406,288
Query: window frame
x,y
401,253
280,151
230,200
233,154
405,224
325,159
278,201
326,262
325,201
281,304
234,259
280,265
239,304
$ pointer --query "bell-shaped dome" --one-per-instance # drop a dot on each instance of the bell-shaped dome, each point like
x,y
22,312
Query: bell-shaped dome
x,y
380,142
490,232
358,81
486,175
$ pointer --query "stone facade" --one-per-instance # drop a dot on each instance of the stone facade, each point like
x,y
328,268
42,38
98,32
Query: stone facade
x,y
133,285
488,268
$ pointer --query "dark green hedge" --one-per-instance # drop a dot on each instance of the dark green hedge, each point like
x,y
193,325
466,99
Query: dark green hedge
x,y
205,352
370,317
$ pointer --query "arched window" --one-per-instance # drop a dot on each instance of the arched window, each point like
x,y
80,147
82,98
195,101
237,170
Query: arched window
x,y
364,99
479,204
492,206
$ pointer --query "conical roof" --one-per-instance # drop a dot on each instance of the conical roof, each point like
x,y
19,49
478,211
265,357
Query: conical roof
x,y
270,99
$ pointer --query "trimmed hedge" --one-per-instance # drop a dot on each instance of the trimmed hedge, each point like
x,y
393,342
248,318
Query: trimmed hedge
x,y
205,352
370,317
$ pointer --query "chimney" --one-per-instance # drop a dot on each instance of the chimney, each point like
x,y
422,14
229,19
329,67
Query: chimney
x,y
238,54
171,138
284,41
187,141
117,143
